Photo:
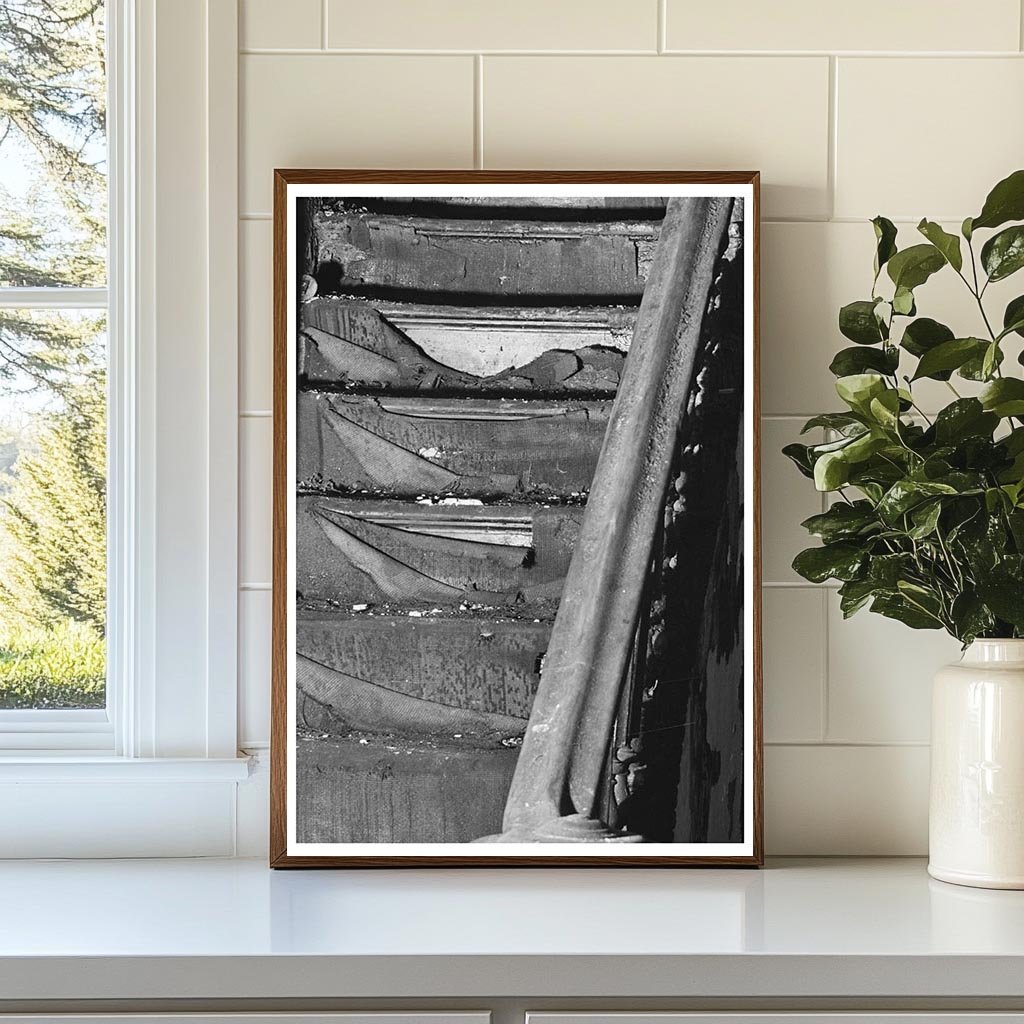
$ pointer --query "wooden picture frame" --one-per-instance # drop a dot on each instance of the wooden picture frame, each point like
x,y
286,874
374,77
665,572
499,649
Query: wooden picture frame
x,y
399,269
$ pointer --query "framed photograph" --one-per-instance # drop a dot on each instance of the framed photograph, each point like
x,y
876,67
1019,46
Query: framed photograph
x,y
516,614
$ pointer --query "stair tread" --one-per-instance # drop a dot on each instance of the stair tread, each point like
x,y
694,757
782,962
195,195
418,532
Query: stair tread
x,y
475,447
540,261
409,554
547,206
366,788
428,675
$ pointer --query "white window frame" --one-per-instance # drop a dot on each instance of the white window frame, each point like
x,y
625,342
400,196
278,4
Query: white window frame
x,y
169,734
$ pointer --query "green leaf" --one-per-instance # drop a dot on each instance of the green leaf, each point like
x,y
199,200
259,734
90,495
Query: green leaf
x,y
1003,254
948,356
991,360
857,321
903,302
858,389
1005,202
854,360
947,244
1016,520
974,368
872,491
963,482
899,608
1014,441
887,570
966,417
912,267
831,471
1013,317
1005,598
799,455
885,237
981,538
925,518
970,617
877,471
1014,495
854,594
1004,397
965,229
885,409
1013,474
842,521
840,561
924,334
864,446
841,421
994,499
817,450
906,494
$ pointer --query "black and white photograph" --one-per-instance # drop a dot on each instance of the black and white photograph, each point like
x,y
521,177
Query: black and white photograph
x,y
514,548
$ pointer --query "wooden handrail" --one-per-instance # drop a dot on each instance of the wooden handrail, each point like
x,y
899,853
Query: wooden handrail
x,y
555,791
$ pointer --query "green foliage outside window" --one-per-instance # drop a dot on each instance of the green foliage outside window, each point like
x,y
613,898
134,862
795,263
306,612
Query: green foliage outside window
x,y
52,365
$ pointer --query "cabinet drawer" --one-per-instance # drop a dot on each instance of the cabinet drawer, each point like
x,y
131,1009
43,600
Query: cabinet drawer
x,y
788,1017
360,1017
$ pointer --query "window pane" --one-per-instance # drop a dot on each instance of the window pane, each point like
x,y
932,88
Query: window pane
x,y
52,509
53,148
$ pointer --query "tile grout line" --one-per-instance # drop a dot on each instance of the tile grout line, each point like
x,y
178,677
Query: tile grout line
x,y
824,723
1020,23
826,690
852,744
323,24
356,51
662,29
829,585
831,172
478,111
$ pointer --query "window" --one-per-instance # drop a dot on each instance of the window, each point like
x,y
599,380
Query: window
x,y
154,311
53,365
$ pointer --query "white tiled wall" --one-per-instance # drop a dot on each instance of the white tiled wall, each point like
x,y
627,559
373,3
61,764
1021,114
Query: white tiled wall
x,y
907,109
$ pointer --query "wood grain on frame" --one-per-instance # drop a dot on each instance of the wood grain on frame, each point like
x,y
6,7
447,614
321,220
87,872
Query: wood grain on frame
x,y
279,856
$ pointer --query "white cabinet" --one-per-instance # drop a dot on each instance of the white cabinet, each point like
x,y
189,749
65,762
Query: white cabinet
x,y
785,1017
361,1017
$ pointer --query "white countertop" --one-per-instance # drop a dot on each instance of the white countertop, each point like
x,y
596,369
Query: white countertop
x,y
234,929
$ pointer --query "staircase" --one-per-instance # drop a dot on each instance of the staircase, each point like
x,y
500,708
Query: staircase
x,y
458,367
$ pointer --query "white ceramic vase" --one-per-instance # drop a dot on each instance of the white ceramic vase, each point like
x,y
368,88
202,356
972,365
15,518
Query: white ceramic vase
x,y
976,815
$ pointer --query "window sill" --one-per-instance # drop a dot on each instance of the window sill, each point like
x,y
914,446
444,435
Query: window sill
x,y
77,805
76,766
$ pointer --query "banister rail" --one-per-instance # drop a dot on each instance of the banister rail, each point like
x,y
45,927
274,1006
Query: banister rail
x,y
555,792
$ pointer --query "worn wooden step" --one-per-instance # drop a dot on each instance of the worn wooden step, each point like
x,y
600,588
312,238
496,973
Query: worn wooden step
x,y
356,552
487,340
412,447
544,262
532,207
384,791
352,344
458,664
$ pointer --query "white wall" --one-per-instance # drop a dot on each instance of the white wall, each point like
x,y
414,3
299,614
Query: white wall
x,y
908,109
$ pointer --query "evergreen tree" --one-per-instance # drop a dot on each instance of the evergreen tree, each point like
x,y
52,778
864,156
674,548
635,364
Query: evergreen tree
x,y
52,124
52,234
52,529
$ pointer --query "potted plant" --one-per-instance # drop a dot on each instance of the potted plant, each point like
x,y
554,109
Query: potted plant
x,y
926,521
